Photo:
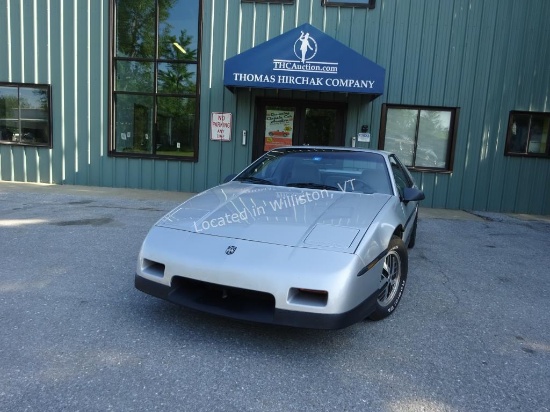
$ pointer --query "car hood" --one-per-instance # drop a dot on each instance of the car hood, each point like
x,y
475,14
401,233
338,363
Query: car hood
x,y
279,215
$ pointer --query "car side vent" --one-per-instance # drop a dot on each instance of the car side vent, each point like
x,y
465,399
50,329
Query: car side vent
x,y
152,268
309,297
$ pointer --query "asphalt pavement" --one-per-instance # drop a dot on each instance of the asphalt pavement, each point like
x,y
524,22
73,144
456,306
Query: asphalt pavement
x,y
472,332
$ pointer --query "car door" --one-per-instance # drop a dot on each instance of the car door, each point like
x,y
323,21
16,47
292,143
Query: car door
x,y
403,179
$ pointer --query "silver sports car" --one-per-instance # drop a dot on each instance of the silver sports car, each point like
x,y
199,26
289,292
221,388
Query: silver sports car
x,y
306,236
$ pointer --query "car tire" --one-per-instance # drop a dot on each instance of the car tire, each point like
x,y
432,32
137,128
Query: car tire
x,y
392,279
412,238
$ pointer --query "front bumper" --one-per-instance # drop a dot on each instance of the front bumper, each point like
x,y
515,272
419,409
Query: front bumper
x,y
248,305
269,283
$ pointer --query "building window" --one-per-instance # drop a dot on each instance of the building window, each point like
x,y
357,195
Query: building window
x,y
25,114
268,1
155,71
368,4
422,137
528,134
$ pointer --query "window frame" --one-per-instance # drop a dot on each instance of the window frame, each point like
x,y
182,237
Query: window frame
x,y
453,132
531,114
368,4
268,1
48,89
155,94
396,165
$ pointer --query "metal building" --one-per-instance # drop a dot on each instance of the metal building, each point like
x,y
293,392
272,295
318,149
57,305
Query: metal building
x,y
177,94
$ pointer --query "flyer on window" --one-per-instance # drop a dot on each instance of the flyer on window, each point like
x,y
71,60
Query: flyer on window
x,y
278,128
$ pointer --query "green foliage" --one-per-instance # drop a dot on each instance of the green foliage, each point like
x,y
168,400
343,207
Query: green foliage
x,y
135,28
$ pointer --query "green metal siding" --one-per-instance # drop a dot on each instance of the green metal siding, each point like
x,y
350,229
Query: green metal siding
x,y
485,57
62,43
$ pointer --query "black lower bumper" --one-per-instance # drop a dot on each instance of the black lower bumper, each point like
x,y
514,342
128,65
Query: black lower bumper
x,y
248,305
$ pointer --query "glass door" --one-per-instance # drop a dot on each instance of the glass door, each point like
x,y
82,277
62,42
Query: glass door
x,y
320,127
285,123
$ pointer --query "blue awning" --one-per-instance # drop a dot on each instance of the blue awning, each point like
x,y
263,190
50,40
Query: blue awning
x,y
304,58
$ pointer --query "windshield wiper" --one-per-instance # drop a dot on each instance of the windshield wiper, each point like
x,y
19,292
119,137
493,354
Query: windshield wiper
x,y
256,180
314,186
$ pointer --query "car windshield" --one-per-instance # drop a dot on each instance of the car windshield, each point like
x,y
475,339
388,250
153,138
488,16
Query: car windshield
x,y
341,170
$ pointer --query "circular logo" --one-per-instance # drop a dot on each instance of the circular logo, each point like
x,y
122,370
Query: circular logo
x,y
305,47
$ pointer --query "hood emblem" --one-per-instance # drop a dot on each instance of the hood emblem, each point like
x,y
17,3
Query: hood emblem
x,y
230,250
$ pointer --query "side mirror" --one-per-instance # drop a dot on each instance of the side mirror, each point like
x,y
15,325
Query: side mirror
x,y
412,194
229,177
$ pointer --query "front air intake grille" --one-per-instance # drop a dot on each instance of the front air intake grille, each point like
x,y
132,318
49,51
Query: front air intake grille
x,y
223,300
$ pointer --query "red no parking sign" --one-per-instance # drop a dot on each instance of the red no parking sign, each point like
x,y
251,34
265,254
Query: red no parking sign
x,y
220,126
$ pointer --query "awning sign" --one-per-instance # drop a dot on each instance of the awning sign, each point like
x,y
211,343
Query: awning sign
x,y
220,126
305,58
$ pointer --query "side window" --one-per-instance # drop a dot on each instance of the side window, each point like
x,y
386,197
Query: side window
x,y
528,134
422,137
25,114
402,179
368,4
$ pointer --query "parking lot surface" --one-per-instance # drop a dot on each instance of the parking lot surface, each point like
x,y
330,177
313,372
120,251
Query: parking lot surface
x,y
472,332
